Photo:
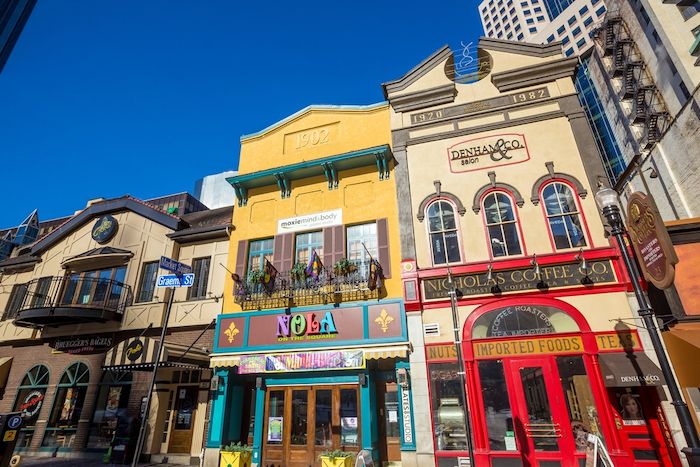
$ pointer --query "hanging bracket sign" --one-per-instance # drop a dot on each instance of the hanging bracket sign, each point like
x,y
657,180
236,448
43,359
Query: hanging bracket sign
x,y
651,241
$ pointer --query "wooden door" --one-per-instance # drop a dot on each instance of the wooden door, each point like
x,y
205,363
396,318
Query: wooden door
x,y
303,421
388,418
542,427
183,419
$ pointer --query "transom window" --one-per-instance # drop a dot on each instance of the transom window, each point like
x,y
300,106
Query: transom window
x,y
260,250
563,216
442,228
306,243
501,225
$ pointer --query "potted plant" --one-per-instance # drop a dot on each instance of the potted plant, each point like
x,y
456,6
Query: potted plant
x,y
255,277
336,458
236,455
344,267
298,272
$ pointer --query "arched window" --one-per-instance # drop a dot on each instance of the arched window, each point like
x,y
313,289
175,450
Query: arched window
x,y
442,228
501,225
30,399
563,216
67,406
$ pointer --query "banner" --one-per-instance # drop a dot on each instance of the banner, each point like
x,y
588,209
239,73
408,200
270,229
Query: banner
x,y
302,361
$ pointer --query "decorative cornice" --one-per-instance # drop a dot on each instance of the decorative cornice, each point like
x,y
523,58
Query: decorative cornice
x,y
425,98
535,194
535,74
520,48
313,108
417,72
432,197
476,203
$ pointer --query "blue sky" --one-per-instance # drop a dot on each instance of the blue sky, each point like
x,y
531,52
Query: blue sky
x,y
106,98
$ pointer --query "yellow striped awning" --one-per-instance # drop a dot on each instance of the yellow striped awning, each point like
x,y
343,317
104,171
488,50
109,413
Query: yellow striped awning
x,y
371,353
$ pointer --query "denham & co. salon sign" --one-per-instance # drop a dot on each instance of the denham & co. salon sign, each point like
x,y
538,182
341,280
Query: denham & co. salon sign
x,y
489,151
517,280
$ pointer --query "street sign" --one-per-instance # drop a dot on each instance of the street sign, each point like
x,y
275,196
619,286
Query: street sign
x,y
174,266
14,422
172,280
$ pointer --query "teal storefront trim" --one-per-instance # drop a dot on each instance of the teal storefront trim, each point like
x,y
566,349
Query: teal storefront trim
x,y
407,425
218,410
243,342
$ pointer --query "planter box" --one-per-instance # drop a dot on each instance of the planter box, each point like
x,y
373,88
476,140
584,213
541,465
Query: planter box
x,y
235,459
336,462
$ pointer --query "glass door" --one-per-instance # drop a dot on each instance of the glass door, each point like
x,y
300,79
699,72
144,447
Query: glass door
x,y
302,422
541,422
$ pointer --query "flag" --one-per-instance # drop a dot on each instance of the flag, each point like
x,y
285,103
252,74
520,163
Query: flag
x,y
238,288
315,266
269,276
376,275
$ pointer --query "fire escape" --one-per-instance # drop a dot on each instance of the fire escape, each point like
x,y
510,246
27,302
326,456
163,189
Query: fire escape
x,y
624,65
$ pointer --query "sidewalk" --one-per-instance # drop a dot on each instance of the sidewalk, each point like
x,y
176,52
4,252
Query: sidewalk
x,y
64,462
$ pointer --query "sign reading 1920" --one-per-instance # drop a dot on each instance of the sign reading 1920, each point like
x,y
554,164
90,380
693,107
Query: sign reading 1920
x,y
487,152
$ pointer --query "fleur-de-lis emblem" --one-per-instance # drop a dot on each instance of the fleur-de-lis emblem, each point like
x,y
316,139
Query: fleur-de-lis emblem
x,y
231,332
383,320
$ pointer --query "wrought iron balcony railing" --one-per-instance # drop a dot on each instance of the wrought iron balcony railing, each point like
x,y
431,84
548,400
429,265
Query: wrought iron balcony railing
x,y
295,288
54,301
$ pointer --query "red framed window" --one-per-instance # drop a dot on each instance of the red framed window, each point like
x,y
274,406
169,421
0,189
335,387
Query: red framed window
x,y
563,213
443,233
502,226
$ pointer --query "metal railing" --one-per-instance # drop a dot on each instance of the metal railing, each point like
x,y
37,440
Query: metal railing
x,y
76,292
296,288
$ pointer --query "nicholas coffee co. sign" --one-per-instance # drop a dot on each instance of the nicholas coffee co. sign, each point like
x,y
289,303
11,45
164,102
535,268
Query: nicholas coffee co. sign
x,y
650,241
489,151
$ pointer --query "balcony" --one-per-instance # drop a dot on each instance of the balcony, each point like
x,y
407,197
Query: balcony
x,y
70,300
293,288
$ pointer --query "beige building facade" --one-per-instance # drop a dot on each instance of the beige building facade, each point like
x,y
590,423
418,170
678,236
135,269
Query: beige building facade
x,y
497,174
82,316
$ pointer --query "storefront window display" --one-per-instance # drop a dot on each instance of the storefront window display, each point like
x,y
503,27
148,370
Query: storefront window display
x,y
67,407
110,423
30,399
448,407
497,411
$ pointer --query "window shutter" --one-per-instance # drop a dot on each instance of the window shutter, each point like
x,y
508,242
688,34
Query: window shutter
x,y
328,248
338,245
277,252
241,257
383,246
287,252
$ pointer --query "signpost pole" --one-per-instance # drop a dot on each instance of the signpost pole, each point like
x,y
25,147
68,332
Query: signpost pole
x,y
462,372
144,416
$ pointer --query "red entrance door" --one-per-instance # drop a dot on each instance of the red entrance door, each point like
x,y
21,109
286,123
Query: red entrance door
x,y
541,422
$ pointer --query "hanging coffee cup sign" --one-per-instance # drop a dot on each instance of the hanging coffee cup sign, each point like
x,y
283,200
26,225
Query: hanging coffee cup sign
x,y
650,241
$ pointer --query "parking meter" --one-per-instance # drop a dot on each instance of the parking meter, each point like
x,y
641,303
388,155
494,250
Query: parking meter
x,y
10,424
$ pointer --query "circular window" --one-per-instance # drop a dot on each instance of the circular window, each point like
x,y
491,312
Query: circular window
x,y
523,320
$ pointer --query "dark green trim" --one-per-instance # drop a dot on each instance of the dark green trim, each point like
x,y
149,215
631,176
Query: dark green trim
x,y
329,167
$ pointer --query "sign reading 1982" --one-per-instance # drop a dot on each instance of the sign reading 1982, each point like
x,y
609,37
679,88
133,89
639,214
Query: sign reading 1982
x,y
479,106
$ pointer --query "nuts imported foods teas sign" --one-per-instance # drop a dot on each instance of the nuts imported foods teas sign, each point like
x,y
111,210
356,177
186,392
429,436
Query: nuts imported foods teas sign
x,y
487,152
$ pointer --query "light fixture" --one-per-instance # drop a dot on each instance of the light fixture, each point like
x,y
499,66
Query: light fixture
x,y
536,269
583,264
489,273
607,198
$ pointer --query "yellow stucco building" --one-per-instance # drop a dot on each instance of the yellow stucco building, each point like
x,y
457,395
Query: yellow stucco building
x,y
313,286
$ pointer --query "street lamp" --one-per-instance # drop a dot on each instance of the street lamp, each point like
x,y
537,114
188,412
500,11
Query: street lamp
x,y
609,204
